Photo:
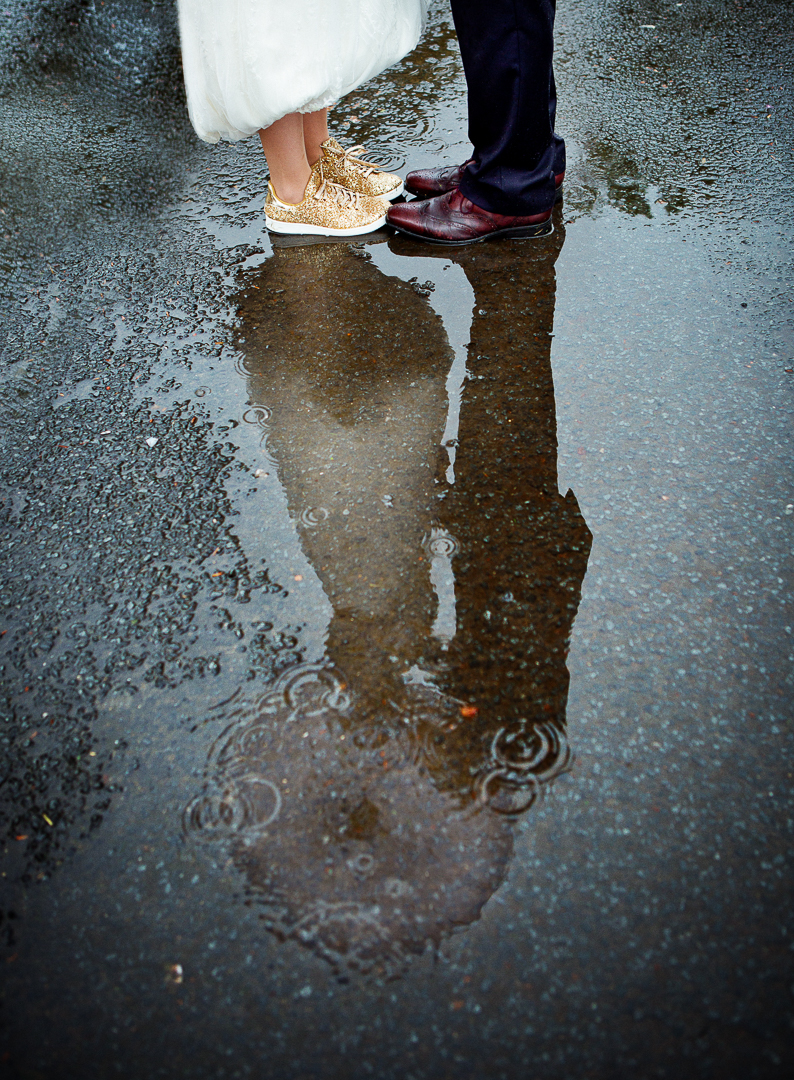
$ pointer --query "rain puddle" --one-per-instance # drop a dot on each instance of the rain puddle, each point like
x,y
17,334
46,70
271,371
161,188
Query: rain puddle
x,y
367,797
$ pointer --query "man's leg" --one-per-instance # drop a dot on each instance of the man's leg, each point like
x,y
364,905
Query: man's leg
x,y
507,47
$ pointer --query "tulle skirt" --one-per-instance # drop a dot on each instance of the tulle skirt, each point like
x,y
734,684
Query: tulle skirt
x,y
249,62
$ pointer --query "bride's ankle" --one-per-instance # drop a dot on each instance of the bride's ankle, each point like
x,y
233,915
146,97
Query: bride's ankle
x,y
313,154
289,191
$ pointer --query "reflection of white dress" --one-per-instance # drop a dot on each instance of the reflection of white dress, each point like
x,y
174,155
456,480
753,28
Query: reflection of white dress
x,y
249,62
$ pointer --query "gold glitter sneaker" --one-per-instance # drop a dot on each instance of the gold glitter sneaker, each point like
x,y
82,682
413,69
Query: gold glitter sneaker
x,y
327,209
345,167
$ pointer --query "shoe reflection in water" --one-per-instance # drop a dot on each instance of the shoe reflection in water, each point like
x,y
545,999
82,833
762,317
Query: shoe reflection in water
x,y
369,799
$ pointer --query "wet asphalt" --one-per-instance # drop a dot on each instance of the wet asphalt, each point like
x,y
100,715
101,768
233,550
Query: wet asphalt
x,y
396,641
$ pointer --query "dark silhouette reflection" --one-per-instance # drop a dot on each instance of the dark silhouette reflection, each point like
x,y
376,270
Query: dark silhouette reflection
x,y
368,798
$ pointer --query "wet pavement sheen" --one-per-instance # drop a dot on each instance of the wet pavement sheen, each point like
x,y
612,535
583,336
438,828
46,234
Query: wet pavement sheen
x,y
396,649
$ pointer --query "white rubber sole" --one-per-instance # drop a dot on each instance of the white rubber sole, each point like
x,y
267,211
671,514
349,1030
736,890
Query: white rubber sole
x,y
392,195
291,228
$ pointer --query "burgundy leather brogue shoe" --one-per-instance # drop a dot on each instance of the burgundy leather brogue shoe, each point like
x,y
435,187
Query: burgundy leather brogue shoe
x,y
455,220
426,183
430,182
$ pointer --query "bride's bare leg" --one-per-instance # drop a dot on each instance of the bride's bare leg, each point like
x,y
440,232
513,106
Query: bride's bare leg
x,y
285,150
315,132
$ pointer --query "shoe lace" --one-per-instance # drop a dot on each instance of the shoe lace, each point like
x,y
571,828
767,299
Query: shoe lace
x,y
350,157
342,196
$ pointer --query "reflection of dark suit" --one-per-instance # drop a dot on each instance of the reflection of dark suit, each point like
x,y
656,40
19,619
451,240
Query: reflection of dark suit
x,y
523,546
507,49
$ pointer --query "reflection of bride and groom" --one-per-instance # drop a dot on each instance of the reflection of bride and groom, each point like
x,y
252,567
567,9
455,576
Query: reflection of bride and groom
x,y
369,799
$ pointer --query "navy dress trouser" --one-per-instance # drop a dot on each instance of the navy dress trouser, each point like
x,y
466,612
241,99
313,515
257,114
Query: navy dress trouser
x,y
507,47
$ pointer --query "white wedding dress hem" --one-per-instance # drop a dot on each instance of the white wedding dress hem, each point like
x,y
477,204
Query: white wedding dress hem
x,y
247,64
